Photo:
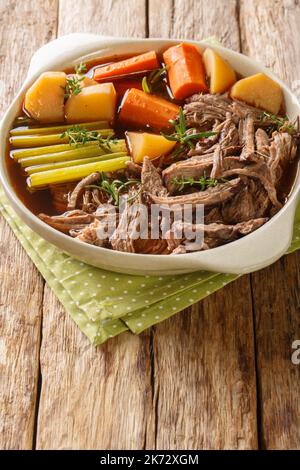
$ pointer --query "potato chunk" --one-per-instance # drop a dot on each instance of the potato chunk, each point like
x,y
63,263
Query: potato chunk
x,y
260,91
87,81
144,144
84,81
93,103
221,75
44,100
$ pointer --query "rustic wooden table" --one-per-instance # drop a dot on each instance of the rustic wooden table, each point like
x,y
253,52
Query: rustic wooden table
x,y
216,376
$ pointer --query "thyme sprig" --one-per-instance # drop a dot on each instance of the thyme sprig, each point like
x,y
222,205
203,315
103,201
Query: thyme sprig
x,y
154,80
73,83
281,124
204,182
73,86
81,68
114,188
105,144
78,135
183,136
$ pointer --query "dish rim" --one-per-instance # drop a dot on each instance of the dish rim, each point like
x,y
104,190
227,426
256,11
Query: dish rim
x,y
112,43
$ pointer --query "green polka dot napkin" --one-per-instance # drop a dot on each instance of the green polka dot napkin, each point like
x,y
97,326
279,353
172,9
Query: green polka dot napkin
x,y
103,303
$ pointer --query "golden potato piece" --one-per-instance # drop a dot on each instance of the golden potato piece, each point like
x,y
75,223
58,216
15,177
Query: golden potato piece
x,y
44,100
260,91
93,103
221,75
86,81
144,144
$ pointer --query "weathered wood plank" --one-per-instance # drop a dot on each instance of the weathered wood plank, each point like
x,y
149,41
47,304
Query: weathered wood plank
x,y
107,17
204,358
195,19
93,398
24,26
204,378
204,375
276,300
270,33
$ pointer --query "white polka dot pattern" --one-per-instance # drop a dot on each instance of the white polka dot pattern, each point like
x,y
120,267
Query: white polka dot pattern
x,y
104,305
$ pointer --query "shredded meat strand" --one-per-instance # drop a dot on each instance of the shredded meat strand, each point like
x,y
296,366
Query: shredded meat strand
x,y
73,198
246,156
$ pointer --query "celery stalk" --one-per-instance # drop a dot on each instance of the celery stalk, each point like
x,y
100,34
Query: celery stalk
x,y
23,120
72,154
19,141
53,166
74,173
17,154
31,130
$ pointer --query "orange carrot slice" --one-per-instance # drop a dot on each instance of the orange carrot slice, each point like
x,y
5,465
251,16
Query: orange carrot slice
x,y
140,109
186,71
139,63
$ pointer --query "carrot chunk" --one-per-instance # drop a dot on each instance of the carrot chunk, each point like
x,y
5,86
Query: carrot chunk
x,y
186,71
139,63
140,109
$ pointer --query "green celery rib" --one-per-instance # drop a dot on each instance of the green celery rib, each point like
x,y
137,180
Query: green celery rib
x,y
31,130
74,173
17,154
72,154
53,166
19,141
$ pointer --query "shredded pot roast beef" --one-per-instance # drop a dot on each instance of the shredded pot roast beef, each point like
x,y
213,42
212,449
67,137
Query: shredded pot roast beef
x,y
234,173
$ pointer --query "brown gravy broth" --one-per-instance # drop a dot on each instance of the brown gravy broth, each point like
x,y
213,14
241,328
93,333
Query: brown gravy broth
x,y
35,201
41,200
287,180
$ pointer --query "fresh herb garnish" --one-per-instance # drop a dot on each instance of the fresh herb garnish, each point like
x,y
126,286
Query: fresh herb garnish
x,y
81,68
105,144
203,182
281,124
154,80
134,196
73,83
114,188
184,136
145,85
78,135
73,86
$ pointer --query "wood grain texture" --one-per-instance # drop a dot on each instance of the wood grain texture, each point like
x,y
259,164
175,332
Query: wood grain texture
x,y
189,383
21,286
93,398
277,307
195,19
270,33
204,375
204,358
107,17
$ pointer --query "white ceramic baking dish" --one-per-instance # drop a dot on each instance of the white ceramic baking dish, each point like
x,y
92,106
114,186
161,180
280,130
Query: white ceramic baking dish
x,y
254,251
